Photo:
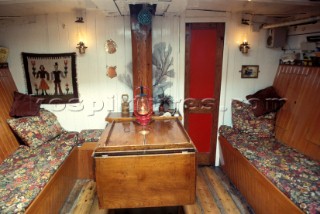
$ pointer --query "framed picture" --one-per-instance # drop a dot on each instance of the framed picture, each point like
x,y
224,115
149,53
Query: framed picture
x,y
249,71
51,77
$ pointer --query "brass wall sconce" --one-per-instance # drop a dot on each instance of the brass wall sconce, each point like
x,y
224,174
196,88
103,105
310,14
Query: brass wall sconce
x,y
82,48
244,47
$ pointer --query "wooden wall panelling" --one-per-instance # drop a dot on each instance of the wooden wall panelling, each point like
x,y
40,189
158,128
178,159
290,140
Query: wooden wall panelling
x,y
297,120
281,83
8,142
313,134
305,103
56,191
304,109
287,80
309,108
293,95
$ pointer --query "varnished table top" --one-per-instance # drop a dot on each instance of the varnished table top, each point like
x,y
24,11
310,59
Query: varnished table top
x,y
129,135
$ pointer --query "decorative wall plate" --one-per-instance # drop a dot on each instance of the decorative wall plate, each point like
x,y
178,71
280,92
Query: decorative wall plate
x,y
110,46
111,71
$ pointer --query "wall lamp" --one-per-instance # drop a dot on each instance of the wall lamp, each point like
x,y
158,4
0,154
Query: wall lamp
x,y
244,47
82,48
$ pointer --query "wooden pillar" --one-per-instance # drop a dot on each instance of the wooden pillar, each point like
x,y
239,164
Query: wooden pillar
x,y
141,38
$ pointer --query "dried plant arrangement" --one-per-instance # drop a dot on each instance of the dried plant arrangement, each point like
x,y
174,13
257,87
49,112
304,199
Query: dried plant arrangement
x,y
162,63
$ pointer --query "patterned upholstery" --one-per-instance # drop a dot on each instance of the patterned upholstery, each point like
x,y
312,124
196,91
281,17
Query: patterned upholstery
x,y
297,176
90,135
25,173
35,130
244,120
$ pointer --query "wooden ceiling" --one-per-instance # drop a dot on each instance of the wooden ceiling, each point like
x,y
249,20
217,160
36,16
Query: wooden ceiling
x,y
289,9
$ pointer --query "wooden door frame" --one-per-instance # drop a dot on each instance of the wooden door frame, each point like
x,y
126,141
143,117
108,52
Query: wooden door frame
x,y
206,158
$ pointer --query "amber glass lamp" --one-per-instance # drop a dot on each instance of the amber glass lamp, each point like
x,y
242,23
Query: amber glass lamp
x,y
142,105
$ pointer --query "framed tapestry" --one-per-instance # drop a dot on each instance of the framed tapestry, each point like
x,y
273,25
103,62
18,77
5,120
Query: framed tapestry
x,y
51,77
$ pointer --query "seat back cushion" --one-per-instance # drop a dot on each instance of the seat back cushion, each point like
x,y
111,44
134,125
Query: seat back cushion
x,y
35,130
244,120
265,101
24,105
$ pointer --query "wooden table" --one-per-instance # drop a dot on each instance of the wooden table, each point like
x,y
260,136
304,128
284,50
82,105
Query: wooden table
x,y
145,166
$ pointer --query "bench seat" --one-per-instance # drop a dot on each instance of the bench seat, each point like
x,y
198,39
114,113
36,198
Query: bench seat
x,y
25,172
296,175
89,135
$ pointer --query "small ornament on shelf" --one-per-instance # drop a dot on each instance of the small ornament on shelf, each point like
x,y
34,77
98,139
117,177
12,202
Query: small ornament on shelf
x,y
125,104
165,102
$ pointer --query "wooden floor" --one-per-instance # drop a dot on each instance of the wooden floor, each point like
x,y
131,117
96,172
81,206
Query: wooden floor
x,y
214,194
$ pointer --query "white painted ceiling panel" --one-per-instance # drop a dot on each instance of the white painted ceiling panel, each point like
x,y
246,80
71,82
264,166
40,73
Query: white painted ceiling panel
x,y
289,9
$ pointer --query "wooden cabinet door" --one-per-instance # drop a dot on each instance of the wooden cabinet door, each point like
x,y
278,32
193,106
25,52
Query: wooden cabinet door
x,y
204,50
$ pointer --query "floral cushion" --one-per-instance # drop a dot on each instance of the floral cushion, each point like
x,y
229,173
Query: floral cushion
x,y
244,120
293,173
36,130
90,135
25,173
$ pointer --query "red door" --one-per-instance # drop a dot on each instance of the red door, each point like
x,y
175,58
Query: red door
x,y
204,47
